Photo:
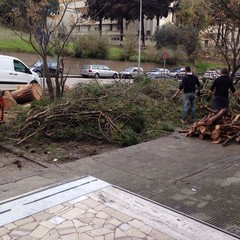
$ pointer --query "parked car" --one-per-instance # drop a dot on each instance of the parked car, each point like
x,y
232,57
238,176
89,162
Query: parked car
x,y
131,72
13,72
98,71
177,72
158,73
237,75
37,67
211,74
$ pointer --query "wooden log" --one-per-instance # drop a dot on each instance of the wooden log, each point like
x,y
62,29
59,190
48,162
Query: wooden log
x,y
216,116
227,127
204,130
235,119
224,144
9,101
217,141
27,93
215,134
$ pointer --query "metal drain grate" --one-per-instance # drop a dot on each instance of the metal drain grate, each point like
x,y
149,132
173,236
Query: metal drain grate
x,y
221,210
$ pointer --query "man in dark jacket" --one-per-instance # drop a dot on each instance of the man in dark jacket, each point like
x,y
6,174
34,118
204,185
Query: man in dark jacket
x,y
222,85
189,84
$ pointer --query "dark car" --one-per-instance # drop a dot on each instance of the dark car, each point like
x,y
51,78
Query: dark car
x,y
38,68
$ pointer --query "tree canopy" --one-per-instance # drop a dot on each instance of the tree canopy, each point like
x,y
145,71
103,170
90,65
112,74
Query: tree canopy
x,y
219,20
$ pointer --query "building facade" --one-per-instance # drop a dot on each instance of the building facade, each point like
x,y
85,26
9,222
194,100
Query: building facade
x,y
73,10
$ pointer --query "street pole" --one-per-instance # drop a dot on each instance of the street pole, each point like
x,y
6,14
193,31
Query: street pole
x,y
139,36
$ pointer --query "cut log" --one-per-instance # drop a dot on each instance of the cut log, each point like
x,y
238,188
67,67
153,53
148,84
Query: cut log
x,y
215,134
9,101
204,130
227,127
216,116
27,93
230,138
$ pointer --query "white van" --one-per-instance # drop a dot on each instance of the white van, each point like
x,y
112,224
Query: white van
x,y
13,72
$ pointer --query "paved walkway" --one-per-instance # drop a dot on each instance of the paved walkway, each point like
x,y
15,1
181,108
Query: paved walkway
x,y
190,176
91,209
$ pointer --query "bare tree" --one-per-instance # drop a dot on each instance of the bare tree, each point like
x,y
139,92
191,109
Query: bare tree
x,y
45,33
219,20
224,30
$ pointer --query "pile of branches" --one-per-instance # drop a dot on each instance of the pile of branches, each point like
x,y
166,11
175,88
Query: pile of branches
x,y
221,127
118,114
67,122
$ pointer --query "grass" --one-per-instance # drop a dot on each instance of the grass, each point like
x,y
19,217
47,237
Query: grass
x,y
203,66
10,42
115,53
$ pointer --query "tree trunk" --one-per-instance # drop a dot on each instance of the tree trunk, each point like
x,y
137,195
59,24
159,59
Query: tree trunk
x,y
9,101
27,93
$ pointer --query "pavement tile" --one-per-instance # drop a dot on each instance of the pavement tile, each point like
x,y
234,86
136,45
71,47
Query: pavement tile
x,y
10,226
98,222
19,232
121,217
3,231
39,232
78,223
136,223
90,203
109,236
74,213
133,232
99,232
85,237
84,229
42,216
47,224
24,221
119,233
5,237
66,227
159,235
73,236
30,226
52,235
56,220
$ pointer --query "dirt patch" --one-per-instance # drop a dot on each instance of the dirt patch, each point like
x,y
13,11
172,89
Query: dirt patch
x,y
32,158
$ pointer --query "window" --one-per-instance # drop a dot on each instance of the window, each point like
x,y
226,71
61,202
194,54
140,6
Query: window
x,y
110,27
19,67
206,43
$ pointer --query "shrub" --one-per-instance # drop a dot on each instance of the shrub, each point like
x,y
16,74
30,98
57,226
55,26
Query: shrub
x,y
91,46
129,47
172,37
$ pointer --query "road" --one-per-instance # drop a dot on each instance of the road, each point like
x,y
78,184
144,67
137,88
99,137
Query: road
x,y
74,80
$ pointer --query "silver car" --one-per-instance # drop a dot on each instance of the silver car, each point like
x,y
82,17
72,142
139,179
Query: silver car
x,y
177,72
211,74
158,73
98,71
131,72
